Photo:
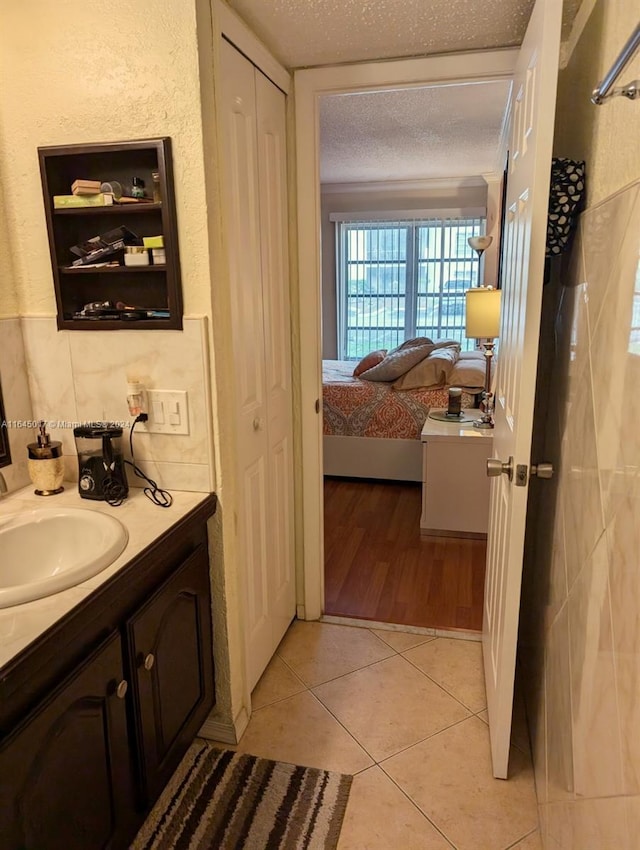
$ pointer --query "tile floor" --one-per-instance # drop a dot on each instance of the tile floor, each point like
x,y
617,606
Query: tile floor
x,y
405,714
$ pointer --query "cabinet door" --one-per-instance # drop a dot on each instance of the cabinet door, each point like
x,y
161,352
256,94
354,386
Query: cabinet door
x,y
170,648
65,772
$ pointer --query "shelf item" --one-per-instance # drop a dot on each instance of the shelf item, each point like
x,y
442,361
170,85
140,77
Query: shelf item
x,y
114,209
149,287
111,269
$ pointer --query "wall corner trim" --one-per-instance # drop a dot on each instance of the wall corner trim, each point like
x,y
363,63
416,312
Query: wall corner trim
x,y
225,732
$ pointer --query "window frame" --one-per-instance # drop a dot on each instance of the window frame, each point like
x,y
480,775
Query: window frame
x,y
412,220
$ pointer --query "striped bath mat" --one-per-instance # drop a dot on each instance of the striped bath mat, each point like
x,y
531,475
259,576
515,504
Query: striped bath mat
x,y
219,800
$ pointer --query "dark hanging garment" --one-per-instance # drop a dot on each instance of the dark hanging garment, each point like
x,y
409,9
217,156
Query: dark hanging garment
x,y
566,196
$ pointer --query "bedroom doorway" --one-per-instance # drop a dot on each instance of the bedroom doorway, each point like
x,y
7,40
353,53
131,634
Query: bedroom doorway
x,y
377,564
310,86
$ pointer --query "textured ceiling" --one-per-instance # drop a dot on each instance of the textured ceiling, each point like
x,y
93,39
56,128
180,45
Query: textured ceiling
x,y
410,134
304,33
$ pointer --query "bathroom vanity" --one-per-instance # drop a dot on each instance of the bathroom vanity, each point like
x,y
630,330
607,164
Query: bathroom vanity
x,y
101,702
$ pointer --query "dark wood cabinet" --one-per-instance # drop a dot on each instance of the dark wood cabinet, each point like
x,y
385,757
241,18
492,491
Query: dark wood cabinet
x,y
153,288
66,772
169,643
96,715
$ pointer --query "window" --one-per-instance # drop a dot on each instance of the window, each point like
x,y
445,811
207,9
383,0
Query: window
x,y
634,334
404,278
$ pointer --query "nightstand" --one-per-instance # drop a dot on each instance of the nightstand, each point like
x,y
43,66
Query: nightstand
x,y
455,486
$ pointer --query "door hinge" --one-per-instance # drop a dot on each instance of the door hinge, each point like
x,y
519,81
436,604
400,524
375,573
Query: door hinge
x,y
522,475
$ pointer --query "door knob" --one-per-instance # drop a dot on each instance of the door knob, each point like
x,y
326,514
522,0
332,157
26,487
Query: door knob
x,y
542,470
496,468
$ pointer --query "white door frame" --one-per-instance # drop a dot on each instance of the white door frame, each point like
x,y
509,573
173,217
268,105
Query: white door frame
x,y
309,86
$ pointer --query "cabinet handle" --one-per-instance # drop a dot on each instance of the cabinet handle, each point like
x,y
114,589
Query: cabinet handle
x,y
257,423
149,661
122,689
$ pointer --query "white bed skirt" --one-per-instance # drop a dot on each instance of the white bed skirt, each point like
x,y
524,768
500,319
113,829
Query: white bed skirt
x,y
373,457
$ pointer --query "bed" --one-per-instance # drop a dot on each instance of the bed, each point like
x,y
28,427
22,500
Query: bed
x,y
371,429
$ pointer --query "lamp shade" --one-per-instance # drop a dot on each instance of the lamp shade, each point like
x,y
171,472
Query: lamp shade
x,y
483,313
480,243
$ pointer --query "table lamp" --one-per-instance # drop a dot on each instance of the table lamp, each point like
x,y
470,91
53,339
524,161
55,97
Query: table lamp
x,y
483,322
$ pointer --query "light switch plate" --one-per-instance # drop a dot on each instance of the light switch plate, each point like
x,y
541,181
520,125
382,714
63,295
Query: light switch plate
x,y
168,412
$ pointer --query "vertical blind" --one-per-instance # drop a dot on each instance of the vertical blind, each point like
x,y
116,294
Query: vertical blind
x,y
404,278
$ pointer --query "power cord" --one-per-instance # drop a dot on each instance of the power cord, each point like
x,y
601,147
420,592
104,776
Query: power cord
x,y
158,496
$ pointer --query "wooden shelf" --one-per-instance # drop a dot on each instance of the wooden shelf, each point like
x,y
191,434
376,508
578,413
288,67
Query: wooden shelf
x,y
115,324
115,209
111,270
146,286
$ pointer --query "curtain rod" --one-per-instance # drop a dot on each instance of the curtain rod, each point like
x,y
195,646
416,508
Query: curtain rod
x,y
603,91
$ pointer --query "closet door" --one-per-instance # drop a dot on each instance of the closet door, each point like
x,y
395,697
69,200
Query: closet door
x,y
255,228
272,177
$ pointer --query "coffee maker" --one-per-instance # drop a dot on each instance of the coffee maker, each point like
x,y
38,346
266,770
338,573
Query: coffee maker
x,y
101,468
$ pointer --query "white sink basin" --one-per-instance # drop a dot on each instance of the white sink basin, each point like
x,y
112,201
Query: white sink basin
x,y
47,550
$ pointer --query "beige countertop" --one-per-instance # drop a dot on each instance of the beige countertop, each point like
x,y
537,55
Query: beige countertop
x,y
20,625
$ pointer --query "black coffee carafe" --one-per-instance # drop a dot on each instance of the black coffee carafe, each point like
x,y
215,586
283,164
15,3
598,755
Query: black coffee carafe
x,y
101,469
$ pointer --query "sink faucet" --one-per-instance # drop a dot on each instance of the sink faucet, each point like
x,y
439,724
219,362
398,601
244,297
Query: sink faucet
x,y
3,485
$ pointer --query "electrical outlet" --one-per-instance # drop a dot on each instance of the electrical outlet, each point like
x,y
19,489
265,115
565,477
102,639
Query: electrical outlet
x,y
168,412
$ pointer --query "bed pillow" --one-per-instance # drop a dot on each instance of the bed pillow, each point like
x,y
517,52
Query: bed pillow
x,y
398,361
433,371
476,354
369,360
469,372
412,343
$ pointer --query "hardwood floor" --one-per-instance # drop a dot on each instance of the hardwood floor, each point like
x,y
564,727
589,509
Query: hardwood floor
x,y
378,567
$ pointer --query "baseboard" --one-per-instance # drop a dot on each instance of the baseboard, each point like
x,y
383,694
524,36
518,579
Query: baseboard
x,y
226,733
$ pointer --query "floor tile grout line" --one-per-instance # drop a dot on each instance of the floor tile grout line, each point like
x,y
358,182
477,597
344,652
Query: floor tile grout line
x,y
423,740
352,735
340,723
428,639
289,667
279,700
322,705
342,675
535,831
435,682
416,806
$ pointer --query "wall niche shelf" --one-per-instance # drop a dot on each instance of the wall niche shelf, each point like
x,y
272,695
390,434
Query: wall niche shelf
x,y
153,287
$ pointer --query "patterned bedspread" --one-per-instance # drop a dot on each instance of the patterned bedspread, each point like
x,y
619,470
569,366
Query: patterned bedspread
x,y
355,408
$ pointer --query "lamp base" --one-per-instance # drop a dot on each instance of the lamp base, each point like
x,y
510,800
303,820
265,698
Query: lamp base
x,y
482,423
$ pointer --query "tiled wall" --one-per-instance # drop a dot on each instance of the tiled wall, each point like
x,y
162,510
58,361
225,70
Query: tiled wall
x,y
580,637
82,377
17,401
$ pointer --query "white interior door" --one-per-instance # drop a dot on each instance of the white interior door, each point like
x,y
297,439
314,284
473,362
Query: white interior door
x,y
243,235
532,121
254,181
272,183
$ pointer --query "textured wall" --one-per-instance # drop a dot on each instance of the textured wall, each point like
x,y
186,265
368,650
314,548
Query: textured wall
x,y
108,70
8,295
580,635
